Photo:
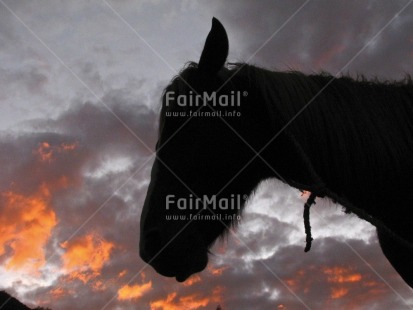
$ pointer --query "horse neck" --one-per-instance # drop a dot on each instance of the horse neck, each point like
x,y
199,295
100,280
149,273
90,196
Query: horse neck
x,y
348,147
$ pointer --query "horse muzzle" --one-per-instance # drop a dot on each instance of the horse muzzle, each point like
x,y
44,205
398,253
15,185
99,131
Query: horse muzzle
x,y
179,260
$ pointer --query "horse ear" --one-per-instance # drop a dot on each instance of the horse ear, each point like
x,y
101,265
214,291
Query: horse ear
x,y
215,50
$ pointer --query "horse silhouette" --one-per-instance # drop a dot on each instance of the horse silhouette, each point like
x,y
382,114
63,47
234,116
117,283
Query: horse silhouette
x,y
224,128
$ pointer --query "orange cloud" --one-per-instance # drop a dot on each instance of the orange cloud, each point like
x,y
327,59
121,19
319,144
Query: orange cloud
x,y
26,224
341,275
217,271
68,146
301,280
85,256
122,273
345,282
127,291
338,292
46,152
342,279
98,286
192,280
188,302
57,293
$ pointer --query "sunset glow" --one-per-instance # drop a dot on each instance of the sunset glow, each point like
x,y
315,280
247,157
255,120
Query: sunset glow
x,y
85,256
189,302
217,271
133,291
192,280
47,153
186,302
26,224
83,144
341,275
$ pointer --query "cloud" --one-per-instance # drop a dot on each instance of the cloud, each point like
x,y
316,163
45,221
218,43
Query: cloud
x,y
331,275
47,153
85,256
136,291
75,173
190,302
58,177
28,215
323,35
26,225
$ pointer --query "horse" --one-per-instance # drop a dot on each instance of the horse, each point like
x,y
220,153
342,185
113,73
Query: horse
x,y
225,127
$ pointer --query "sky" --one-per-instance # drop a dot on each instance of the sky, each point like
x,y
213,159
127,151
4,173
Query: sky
x,y
80,87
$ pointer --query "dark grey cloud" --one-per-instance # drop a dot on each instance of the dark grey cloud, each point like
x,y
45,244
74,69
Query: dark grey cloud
x,y
102,169
331,275
30,80
90,163
323,35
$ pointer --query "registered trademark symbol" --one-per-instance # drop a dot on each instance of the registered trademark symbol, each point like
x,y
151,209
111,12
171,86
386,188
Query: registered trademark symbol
x,y
245,93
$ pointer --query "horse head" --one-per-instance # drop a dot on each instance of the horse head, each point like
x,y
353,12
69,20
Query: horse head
x,y
205,162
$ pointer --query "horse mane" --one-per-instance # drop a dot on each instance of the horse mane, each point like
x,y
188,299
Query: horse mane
x,y
349,106
363,125
178,83
355,137
365,122
357,131
364,115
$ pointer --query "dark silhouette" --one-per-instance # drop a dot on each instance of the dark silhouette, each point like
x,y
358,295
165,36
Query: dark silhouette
x,y
7,302
347,140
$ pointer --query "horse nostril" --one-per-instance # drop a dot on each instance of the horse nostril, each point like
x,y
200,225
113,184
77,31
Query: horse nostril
x,y
153,242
